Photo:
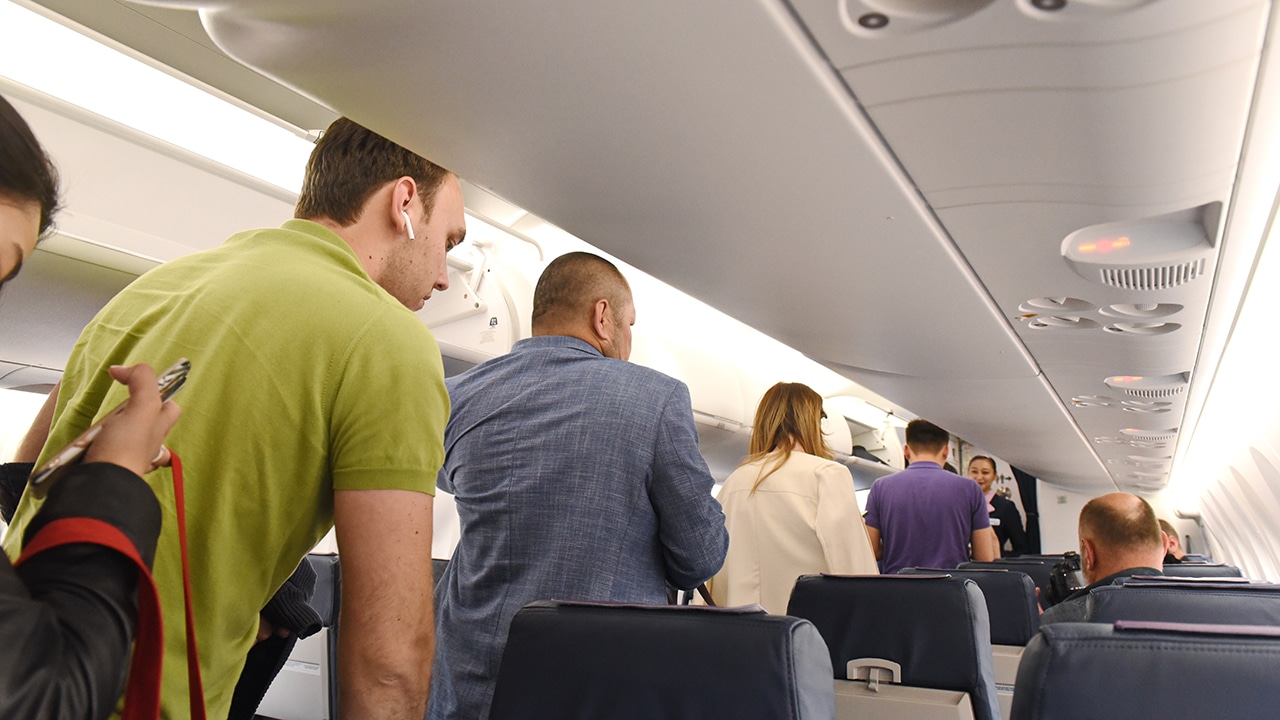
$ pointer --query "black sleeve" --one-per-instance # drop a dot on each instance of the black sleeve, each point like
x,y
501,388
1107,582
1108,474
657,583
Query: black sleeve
x,y
290,606
13,480
67,615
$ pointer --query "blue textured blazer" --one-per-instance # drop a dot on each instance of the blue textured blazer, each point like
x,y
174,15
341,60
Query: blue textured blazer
x,y
577,477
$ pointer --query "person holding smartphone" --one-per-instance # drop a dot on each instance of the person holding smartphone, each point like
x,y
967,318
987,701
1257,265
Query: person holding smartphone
x,y
68,614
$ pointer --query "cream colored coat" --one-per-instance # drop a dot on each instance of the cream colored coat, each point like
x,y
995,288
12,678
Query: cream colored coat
x,y
803,519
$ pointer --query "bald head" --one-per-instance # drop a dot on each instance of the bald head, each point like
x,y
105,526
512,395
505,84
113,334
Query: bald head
x,y
1117,532
585,296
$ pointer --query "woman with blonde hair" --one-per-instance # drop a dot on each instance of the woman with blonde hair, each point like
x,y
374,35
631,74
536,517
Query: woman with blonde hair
x,y
790,509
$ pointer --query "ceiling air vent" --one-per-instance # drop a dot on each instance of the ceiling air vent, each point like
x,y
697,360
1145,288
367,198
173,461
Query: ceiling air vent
x,y
1140,311
1149,387
1152,278
1158,253
1146,407
1057,322
1084,401
1142,329
1055,304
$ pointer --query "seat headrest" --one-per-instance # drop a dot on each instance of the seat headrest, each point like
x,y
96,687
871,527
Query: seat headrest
x,y
1010,598
591,660
1171,672
1201,570
1039,570
1186,603
326,600
935,626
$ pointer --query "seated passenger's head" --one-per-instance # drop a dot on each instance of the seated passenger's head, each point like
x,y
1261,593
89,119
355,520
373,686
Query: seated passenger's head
x,y
28,191
405,211
1172,545
982,470
585,296
789,417
926,441
1118,532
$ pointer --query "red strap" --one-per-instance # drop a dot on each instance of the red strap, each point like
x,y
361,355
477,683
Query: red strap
x,y
142,696
194,685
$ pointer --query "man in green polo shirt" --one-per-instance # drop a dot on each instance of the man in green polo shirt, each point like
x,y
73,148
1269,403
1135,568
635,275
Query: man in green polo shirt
x,y
316,398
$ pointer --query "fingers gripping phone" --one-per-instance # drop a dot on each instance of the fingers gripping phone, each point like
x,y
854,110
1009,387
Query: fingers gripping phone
x,y
170,381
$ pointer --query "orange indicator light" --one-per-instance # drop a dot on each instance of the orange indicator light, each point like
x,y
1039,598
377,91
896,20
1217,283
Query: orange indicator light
x,y
1104,245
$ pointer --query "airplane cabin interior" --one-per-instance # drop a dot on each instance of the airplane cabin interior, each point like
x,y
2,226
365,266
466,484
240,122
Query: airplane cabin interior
x,y
1041,224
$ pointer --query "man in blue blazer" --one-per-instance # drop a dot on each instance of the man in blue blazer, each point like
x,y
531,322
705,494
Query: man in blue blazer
x,y
577,476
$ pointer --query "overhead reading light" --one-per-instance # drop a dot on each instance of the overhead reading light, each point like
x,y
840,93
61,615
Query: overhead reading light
x,y
44,55
1150,386
1152,435
1151,254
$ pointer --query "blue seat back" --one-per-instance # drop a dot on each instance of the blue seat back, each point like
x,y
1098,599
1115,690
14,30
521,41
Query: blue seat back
x,y
1201,570
1186,602
1038,570
567,661
1010,598
1149,670
935,626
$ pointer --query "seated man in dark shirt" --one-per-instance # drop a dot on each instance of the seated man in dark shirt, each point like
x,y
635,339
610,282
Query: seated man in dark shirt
x,y
1173,553
1119,537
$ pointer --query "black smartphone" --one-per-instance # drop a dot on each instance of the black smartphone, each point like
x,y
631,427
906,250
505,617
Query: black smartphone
x,y
47,474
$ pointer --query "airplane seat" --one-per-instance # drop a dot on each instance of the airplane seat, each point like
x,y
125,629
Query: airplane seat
x,y
1171,671
1187,602
567,660
1014,617
1010,598
1202,570
903,645
306,688
1051,558
1038,570
326,600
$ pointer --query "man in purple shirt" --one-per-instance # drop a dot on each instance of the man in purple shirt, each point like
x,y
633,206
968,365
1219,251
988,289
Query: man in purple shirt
x,y
925,516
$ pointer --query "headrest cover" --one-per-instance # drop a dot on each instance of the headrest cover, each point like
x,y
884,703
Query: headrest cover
x,y
1179,603
580,660
1010,598
1088,670
1199,570
935,627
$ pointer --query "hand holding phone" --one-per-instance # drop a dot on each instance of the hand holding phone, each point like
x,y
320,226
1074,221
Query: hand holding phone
x,y
131,434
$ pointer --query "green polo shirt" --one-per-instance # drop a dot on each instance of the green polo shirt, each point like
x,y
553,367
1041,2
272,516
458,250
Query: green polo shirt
x,y
306,377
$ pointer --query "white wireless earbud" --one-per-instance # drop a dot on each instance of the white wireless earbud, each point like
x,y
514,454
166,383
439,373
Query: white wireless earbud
x,y
408,225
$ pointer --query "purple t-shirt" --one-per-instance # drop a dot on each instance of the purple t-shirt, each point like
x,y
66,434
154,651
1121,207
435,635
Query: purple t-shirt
x,y
926,517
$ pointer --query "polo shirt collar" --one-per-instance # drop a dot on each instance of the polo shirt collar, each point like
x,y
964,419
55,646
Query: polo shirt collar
x,y
555,341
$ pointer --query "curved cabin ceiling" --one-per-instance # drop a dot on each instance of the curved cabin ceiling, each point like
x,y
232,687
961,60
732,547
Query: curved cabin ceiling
x,y
889,186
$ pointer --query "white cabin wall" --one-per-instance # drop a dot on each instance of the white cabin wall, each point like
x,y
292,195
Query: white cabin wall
x,y
1059,514
1230,473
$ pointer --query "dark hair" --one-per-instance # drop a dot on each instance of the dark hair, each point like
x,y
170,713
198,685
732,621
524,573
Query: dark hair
x,y
350,163
984,458
573,282
26,173
1121,521
924,436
